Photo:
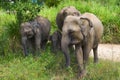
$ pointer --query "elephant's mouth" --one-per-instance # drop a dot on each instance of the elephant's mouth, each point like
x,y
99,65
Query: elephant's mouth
x,y
73,42
30,36
76,40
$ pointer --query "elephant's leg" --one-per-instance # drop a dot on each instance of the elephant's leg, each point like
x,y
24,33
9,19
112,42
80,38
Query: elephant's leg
x,y
79,55
86,50
65,48
28,47
24,44
43,44
67,56
95,53
37,44
32,46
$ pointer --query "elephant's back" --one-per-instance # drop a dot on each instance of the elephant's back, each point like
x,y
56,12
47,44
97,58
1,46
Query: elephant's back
x,y
93,18
44,27
44,22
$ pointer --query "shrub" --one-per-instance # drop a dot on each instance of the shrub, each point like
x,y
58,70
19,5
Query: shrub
x,y
51,3
23,12
107,12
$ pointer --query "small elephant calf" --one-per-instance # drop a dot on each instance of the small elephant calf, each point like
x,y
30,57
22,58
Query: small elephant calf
x,y
55,39
34,34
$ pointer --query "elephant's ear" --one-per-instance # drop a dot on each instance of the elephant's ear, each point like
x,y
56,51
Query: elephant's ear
x,y
35,27
36,30
64,13
85,25
90,23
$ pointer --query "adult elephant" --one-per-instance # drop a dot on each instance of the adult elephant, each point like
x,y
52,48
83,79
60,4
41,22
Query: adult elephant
x,y
35,34
69,10
84,32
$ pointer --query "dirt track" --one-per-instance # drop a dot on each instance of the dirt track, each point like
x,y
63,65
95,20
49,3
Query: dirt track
x,y
109,52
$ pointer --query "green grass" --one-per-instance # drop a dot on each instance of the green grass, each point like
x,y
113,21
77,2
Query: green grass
x,y
5,18
50,66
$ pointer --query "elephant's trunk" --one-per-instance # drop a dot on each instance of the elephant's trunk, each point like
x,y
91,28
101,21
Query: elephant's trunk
x,y
24,43
65,49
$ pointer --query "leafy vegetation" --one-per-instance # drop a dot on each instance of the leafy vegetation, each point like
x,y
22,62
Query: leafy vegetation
x,y
23,11
50,66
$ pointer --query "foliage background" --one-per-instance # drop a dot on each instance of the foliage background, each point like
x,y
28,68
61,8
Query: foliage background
x,y
50,66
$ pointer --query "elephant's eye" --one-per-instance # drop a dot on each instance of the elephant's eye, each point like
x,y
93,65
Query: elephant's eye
x,y
76,14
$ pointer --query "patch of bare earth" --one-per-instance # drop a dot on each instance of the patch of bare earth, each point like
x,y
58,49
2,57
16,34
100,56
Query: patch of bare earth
x,y
108,52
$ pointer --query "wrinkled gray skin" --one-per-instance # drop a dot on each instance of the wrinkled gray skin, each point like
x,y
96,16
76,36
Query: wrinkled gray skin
x,y
84,32
70,10
55,39
35,34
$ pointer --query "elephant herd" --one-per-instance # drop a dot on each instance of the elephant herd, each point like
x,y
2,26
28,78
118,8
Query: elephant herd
x,y
81,30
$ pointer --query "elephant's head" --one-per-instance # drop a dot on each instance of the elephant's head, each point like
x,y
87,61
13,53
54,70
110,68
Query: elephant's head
x,y
74,31
66,11
71,10
29,28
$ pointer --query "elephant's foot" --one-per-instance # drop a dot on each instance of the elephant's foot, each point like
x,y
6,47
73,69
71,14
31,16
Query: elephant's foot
x,y
43,47
67,64
96,61
82,74
25,55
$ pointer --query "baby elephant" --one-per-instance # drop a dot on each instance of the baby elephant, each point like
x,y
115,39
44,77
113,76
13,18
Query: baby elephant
x,y
70,10
35,34
55,39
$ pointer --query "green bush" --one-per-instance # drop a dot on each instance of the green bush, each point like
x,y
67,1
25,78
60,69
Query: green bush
x,y
108,12
51,3
23,12
26,11
6,19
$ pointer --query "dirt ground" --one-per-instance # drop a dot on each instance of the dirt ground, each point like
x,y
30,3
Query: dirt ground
x,y
109,52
